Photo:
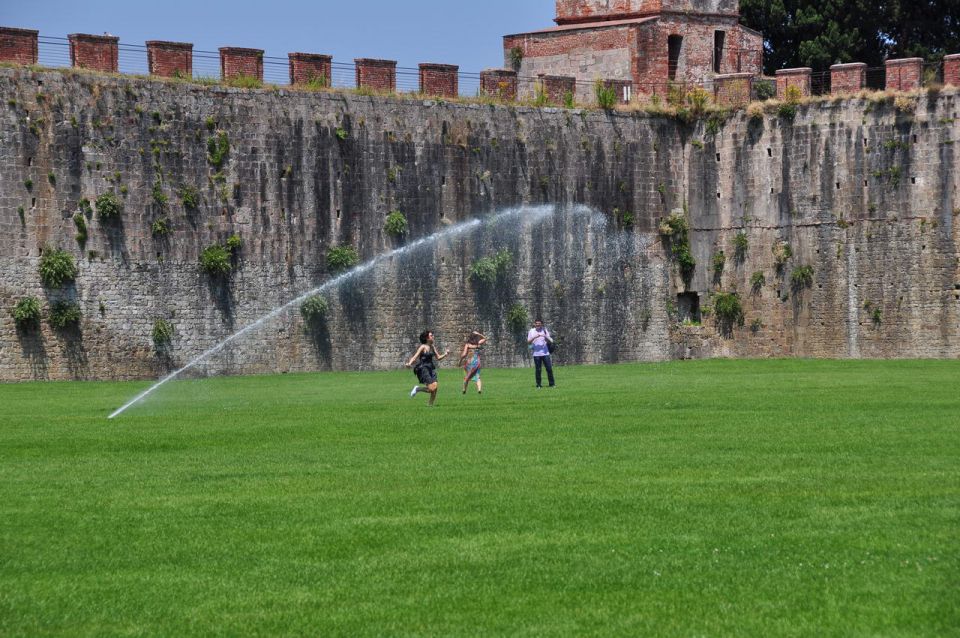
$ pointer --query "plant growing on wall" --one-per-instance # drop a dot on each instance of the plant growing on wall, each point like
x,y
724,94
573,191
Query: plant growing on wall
x,y
396,224
234,244
109,206
218,147
189,197
314,310
728,311
81,224
801,277
162,334
488,270
757,281
764,89
719,263
782,252
64,314
57,268
159,198
741,244
676,229
160,227
26,314
516,58
342,257
606,95
517,318
215,261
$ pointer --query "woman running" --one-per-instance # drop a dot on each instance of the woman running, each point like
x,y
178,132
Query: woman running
x,y
424,364
470,360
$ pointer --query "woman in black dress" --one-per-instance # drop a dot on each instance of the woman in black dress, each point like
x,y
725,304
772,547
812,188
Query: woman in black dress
x,y
424,364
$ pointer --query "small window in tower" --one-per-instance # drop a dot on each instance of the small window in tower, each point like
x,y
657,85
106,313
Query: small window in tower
x,y
719,38
674,45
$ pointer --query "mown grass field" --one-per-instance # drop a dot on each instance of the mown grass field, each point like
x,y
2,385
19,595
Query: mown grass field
x,y
719,498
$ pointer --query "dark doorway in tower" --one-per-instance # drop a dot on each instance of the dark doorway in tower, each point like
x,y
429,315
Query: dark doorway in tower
x,y
674,46
719,39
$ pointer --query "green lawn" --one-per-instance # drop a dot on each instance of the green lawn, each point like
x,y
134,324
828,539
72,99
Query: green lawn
x,y
717,498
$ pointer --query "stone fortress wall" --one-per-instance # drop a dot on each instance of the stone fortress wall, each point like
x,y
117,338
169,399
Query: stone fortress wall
x,y
865,193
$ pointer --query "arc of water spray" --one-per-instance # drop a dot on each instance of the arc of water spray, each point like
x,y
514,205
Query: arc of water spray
x,y
534,214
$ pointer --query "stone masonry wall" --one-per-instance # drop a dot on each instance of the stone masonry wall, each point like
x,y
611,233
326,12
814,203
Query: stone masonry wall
x,y
864,194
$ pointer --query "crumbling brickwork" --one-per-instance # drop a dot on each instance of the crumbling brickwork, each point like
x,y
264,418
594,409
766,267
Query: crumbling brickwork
x,y
798,79
578,11
238,62
905,74
557,88
310,68
170,59
733,89
846,79
441,80
18,45
499,83
650,44
95,52
380,75
951,70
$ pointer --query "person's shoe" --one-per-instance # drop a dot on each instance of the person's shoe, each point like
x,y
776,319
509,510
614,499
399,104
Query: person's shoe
x,y
539,388
413,392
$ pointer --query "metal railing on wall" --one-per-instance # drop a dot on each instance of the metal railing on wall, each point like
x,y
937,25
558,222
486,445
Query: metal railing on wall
x,y
132,58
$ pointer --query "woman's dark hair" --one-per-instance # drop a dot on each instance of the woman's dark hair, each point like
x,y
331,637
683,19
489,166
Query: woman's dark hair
x,y
473,339
424,336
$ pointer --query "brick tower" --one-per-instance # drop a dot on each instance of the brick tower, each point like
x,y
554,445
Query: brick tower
x,y
649,43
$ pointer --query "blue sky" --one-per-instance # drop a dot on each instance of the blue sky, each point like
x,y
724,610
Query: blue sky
x,y
447,31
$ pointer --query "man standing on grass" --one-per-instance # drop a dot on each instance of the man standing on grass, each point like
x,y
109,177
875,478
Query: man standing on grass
x,y
539,340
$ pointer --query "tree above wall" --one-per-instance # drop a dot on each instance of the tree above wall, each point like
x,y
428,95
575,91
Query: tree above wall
x,y
819,33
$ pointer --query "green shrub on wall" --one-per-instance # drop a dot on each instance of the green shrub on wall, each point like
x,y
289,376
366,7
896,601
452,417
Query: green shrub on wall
x,y
676,229
342,258
215,261
162,334
396,224
517,318
65,314
741,244
801,277
314,309
728,310
234,244
57,268
26,314
606,95
189,197
487,270
109,206
218,147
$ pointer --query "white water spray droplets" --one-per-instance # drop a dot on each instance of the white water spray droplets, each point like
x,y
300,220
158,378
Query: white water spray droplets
x,y
530,214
